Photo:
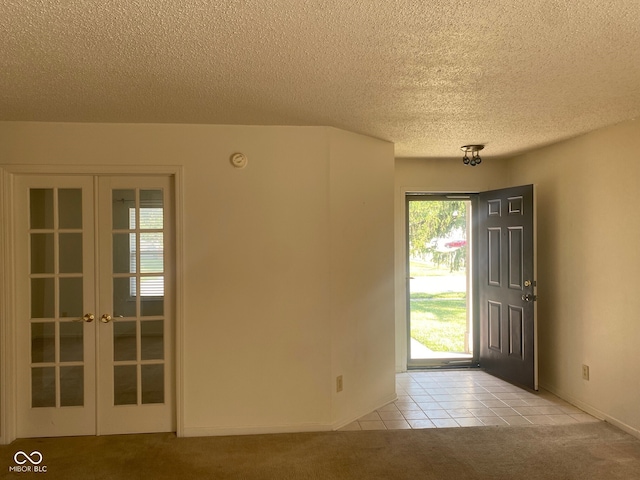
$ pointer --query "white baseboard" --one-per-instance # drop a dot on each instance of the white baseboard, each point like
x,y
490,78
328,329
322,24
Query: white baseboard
x,y
591,410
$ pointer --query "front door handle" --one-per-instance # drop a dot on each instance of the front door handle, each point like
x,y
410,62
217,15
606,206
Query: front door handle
x,y
529,298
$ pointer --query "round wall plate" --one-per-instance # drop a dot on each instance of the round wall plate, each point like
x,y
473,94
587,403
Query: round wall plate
x,y
239,160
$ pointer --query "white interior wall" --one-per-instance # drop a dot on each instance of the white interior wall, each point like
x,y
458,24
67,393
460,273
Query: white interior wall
x,y
588,263
272,252
256,284
362,291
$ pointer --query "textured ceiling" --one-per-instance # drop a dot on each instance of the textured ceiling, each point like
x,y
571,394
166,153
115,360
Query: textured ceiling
x,y
428,75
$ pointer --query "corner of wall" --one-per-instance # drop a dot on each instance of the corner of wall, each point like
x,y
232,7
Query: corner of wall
x,y
362,290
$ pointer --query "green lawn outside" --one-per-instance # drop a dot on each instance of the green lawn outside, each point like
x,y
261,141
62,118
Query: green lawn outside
x,y
439,321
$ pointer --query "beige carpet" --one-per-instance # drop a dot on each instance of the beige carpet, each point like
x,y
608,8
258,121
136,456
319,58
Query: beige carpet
x,y
583,451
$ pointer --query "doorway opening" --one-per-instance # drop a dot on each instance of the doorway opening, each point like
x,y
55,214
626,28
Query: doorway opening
x,y
94,303
439,287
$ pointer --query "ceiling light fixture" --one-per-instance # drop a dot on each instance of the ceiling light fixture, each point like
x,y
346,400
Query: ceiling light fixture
x,y
474,150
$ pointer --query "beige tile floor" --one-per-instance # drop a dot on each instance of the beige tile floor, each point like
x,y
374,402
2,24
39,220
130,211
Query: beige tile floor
x,y
466,398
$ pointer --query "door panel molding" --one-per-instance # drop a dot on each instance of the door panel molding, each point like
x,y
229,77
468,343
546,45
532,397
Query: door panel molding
x,y
494,255
516,325
515,258
494,325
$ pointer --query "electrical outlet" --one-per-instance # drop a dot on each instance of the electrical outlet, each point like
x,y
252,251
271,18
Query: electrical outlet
x,y
585,372
339,383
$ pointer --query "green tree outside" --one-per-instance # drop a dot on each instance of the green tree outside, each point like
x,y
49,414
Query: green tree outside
x,y
432,220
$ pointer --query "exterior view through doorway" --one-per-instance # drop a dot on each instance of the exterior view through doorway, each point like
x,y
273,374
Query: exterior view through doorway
x,y
471,282
439,287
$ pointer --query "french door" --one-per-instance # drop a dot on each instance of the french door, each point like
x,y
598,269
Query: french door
x,y
94,304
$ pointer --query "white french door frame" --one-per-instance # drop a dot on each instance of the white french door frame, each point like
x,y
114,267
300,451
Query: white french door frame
x,y
8,328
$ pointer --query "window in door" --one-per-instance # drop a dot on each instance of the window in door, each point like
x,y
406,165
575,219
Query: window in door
x,y
150,245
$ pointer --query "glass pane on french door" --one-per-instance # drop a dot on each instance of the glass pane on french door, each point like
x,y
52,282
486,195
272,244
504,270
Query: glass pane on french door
x,y
138,296
56,280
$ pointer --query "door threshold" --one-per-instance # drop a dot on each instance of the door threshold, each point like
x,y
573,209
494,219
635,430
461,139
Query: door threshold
x,y
454,365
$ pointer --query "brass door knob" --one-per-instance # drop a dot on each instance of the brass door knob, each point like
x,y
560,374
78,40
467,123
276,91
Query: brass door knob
x,y
106,318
